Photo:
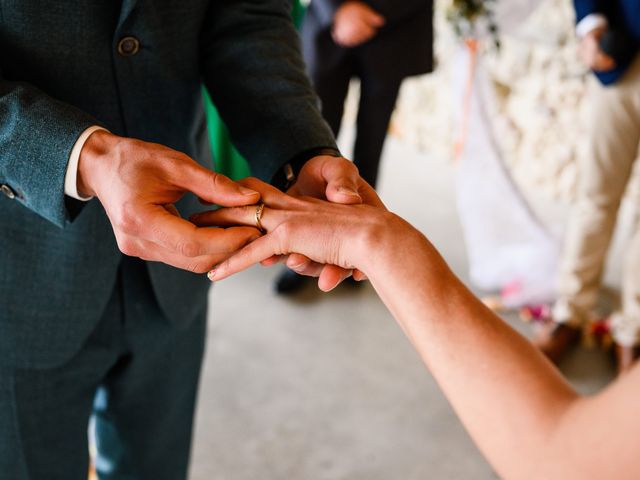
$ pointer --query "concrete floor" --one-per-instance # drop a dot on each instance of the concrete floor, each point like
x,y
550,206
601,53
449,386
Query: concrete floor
x,y
325,386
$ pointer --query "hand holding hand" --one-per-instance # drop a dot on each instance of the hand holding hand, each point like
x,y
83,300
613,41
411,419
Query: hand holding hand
x,y
335,179
355,23
138,183
592,55
344,236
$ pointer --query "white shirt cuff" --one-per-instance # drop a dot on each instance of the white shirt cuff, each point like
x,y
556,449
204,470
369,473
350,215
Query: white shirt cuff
x,y
590,23
71,177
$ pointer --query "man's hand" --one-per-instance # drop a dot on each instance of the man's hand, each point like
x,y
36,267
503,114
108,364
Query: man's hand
x,y
335,179
138,183
592,55
355,23
347,236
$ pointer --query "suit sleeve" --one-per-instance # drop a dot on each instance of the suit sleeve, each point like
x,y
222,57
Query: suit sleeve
x,y
253,70
589,7
37,134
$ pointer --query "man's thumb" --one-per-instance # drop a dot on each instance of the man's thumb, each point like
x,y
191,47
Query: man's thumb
x,y
343,191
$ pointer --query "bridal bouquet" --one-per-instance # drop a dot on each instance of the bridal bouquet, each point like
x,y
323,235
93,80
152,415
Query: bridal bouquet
x,y
472,18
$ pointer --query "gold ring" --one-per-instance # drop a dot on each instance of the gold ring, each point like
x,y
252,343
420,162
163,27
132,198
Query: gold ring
x,y
259,210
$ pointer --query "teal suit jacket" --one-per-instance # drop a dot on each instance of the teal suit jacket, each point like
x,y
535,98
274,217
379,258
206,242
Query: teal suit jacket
x,y
60,72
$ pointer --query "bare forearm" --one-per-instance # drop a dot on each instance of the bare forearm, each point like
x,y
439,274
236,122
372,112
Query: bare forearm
x,y
521,413
506,394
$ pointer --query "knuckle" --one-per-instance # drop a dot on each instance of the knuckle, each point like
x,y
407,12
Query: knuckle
x,y
188,248
284,230
348,164
174,159
282,235
246,211
217,180
128,247
245,240
127,221
198,267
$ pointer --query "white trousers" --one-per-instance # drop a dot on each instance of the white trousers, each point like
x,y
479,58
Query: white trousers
x,y
614,136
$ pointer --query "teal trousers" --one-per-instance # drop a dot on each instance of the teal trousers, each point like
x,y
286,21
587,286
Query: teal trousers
x,y
136,377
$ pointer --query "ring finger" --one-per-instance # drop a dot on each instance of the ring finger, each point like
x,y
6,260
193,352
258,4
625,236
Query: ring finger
x,y
250,216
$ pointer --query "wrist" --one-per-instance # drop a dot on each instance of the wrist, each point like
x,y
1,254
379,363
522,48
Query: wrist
x,y
383,234
393,253
287,175
92,156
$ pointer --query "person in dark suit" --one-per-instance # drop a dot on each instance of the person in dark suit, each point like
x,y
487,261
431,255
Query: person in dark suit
x,y
380,42
103,155
609,33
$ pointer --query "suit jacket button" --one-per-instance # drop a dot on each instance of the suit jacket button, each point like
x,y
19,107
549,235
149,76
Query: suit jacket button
x,y
128,46
8,191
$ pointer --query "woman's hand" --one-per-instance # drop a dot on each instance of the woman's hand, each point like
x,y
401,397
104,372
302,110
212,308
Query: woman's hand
x,y
326,233
337,180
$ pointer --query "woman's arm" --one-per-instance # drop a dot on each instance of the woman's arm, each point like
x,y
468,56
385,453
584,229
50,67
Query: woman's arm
x,y
521,413
524,417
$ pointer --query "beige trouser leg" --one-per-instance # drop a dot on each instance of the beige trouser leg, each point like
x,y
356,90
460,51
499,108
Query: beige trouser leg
x,y
626,324
614,134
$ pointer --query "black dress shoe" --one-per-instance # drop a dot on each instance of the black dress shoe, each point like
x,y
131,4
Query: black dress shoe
x,y
555,340
289,282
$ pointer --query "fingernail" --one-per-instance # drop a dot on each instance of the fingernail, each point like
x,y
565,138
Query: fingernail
x,y
298,265
247,191
328,289
348,191
211,275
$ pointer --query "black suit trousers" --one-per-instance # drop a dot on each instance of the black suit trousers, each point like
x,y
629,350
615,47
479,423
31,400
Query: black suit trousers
x,y
378,94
